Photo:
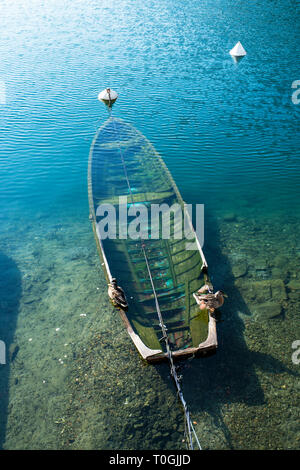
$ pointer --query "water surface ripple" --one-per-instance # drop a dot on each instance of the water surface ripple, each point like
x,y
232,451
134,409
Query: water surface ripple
x,y
229,133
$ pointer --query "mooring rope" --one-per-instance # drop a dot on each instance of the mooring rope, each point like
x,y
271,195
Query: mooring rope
x,y
189,428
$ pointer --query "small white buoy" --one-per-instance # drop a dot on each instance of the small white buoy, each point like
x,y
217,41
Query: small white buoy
x,y
237,52
108,96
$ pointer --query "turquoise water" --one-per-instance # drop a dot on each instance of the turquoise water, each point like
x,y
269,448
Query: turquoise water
x,y
229,133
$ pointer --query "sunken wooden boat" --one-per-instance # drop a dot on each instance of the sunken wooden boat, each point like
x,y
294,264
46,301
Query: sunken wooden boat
x,y
123,163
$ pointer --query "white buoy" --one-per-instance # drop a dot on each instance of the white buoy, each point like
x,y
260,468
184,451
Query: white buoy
x,y
108,96
238,50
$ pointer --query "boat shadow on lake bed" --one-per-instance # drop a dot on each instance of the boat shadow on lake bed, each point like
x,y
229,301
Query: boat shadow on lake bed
x,y
10,293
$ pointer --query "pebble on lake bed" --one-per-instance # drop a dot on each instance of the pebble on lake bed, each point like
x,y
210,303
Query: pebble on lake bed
x,y
230,217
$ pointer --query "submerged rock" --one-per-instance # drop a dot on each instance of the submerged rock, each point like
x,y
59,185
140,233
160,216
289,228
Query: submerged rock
x,y
278,273
258,291
294,285
240,268
267,310
278,289
280,261
262,291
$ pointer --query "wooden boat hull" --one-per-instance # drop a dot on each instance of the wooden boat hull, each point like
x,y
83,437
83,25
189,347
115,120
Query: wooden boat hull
x,y
120,155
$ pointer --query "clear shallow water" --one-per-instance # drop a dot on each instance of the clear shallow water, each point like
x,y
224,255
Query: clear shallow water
x,y
229,135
